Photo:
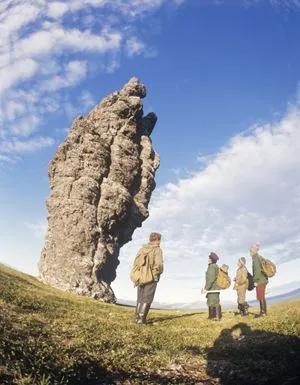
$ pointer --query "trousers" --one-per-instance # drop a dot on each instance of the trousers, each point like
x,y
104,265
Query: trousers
x,y
213,299
261,292
146,292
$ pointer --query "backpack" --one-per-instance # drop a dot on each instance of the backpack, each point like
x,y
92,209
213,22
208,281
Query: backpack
x,y
223,279
141,272
268,267
250,281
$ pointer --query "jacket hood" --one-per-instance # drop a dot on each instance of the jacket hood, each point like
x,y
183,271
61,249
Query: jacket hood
x,y
149,246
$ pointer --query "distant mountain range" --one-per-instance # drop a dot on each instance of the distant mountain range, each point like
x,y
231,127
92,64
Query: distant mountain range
x,y
225,304
283,297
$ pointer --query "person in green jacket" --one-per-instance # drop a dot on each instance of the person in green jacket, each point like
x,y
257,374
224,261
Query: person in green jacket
x,y
260,279
213,299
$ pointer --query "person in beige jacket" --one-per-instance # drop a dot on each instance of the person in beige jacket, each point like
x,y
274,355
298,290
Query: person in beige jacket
x,y
147,269
241,286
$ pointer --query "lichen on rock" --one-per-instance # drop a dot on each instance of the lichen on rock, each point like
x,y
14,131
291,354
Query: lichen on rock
x,y
101,180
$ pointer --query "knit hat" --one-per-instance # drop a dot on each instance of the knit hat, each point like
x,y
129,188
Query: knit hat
x,y
154,237
213,256
224,268
242,261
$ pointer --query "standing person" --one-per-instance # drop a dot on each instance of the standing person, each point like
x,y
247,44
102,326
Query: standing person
x,y
147,268
241,286
213,299
260,279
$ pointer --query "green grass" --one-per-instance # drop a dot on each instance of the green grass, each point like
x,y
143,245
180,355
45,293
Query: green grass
x,y
49,337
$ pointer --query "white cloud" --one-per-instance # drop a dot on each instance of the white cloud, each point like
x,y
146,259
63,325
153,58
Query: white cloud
x,y
75,71
21,112
14,16
112,66
134,46
134,8
248,191
87,100
41,55
25,146
26,126
6,159
57,9
13,109
179,2
27,55
286,3
16,72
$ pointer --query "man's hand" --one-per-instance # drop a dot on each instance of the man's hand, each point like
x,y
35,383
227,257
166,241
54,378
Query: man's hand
x,y
255,284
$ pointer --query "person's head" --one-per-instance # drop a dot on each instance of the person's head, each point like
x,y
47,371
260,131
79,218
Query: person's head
x,y
212,258
254,249
225,268
241,262
155,238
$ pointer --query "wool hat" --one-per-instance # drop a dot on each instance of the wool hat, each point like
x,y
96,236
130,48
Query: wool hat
x,y
242,261
225,268
213,256
154,237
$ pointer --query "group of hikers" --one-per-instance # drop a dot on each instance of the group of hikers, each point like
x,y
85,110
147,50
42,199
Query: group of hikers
x,y
148,267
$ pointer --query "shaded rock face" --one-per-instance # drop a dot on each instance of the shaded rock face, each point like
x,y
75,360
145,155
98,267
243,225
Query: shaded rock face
x,y
101,181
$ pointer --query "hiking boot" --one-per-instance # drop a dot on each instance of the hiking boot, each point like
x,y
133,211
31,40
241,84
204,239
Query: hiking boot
x,y
218,313
210,312
143,312
263,309
241,309
137,312
245,309
260,312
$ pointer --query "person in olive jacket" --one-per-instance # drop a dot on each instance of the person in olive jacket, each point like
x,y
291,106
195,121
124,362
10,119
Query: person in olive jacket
x,y
241,286
213,299
260,279
146,288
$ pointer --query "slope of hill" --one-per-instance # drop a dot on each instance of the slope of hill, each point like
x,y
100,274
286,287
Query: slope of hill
x,y
51,337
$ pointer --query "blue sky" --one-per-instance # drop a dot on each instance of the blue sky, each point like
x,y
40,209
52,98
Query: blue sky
x,y
223,79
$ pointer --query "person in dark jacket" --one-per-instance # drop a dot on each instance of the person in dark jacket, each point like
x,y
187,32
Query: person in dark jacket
x,y
213,297
260,279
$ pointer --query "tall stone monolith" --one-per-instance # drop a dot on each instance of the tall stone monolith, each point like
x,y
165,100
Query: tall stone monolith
x,y
101,180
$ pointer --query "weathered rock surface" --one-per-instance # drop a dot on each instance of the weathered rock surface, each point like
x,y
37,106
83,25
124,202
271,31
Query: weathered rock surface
x,y
101,180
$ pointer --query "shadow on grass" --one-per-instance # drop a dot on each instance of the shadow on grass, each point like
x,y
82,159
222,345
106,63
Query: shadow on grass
x,y
124,378
254,357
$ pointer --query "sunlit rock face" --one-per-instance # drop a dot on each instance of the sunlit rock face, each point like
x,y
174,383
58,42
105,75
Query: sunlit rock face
x,y
101,180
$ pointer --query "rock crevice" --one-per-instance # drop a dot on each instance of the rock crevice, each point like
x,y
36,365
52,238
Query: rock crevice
x,y
101,180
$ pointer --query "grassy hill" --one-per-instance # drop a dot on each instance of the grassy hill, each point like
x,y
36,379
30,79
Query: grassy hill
x,y
51,337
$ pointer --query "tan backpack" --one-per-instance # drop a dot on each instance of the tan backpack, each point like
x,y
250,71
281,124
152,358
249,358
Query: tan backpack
x,y
223,279
268,267
141,272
